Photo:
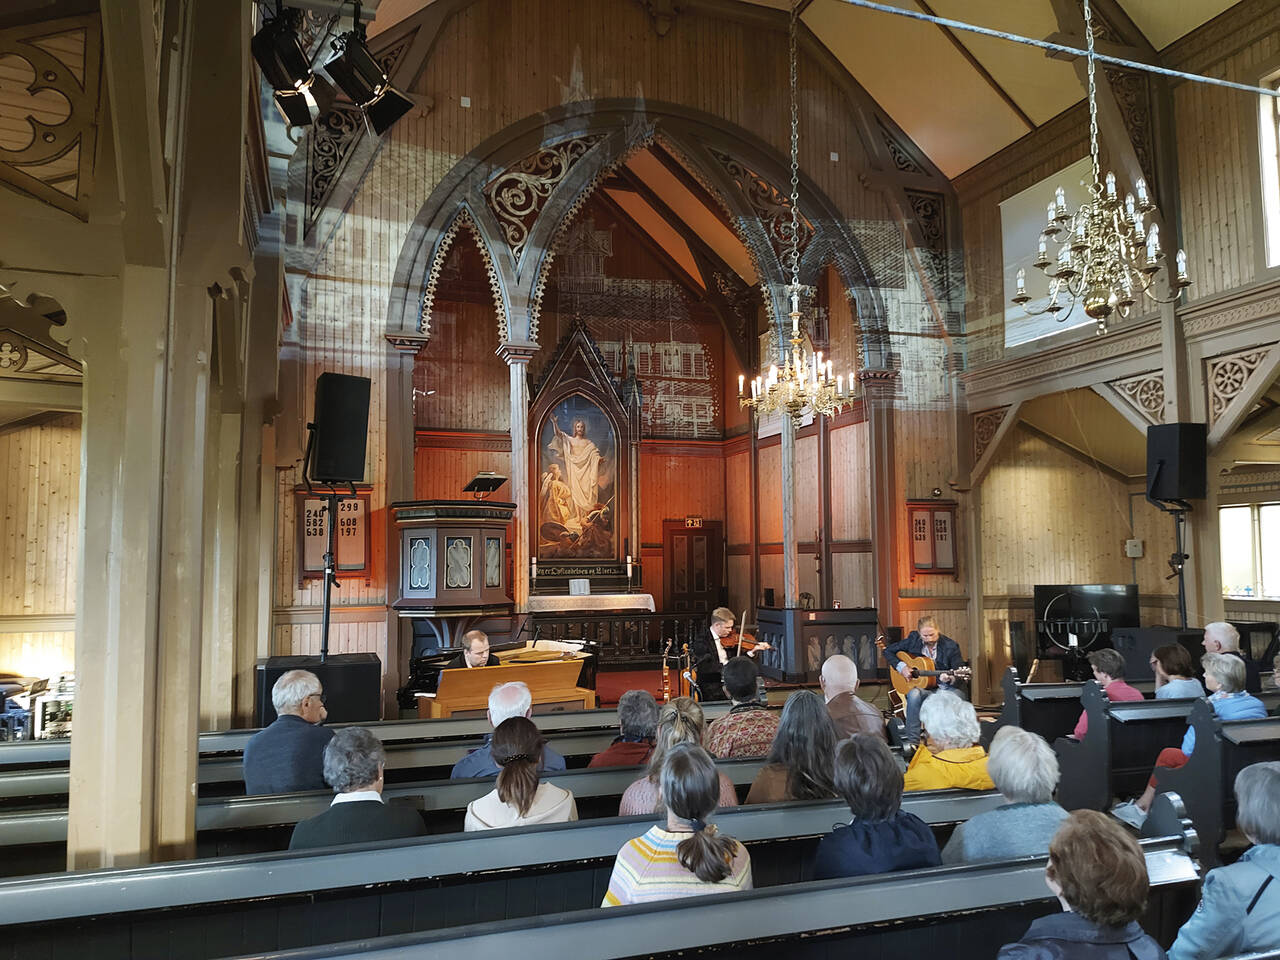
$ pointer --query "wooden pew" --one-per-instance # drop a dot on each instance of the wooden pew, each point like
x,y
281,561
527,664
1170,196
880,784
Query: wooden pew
x,y
203,909
961,912
34,841
1206,784
1116,754
37,771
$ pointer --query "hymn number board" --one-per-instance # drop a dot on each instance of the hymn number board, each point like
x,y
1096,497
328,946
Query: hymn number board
x,y
933,536
353,546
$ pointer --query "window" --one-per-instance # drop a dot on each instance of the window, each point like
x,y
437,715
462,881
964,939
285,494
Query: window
x,y
1250,544
1269,140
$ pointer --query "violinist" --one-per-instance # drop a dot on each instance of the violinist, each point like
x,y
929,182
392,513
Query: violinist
x,y
715,648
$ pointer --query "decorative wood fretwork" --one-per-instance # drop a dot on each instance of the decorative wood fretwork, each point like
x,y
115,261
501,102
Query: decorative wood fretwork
x,y
331,141
663,13
463,219
1145,393
770,204
1227,377
1132,93
901,157
516,196
930,211
28,350
985,426
48,122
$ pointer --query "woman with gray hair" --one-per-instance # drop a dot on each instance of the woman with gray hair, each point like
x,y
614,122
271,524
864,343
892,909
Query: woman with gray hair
x,y
950,756
1024,769
1239,908
354,762
1224,676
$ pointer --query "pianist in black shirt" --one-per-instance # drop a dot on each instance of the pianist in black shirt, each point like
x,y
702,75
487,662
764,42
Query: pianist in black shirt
x,y
475,652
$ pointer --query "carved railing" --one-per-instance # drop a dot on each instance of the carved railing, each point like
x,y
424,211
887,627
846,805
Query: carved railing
x,y
636,638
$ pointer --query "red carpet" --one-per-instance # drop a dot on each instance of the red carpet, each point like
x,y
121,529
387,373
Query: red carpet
x,y
611,684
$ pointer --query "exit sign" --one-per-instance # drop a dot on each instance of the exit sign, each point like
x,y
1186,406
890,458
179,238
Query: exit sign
x,y
693,521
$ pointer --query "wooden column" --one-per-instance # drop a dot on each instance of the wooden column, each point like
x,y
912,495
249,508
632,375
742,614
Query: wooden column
x,y
221,534
517,358
753,479
878,388
825,583
790,552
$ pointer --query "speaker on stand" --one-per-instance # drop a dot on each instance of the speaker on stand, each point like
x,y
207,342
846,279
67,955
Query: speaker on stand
x,y
1176,474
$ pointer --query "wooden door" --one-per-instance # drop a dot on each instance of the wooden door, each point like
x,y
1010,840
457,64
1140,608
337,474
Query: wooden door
x,y
693,558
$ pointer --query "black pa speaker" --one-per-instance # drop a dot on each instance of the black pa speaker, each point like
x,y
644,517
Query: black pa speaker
x,y
352,685
1176,461
341,428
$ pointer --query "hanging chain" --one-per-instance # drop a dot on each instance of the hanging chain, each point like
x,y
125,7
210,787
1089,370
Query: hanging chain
x,y
1093,96
793,254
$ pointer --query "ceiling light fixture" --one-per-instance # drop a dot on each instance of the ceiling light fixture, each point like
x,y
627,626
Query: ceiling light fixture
x,y
1107,257
359,75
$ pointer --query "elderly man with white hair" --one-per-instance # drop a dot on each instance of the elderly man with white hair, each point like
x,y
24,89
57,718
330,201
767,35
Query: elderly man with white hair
x,y
950,756
1025,770
289,754
506,700
1222,637
849,712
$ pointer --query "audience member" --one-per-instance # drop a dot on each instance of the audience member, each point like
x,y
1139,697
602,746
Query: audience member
x,y
926,640
849,712
1099,875
1025,770
1239,908
799,766
1175,673
519,798
1224,675
354,762
747,729
1222,637
951,755
289,754
505,701
474,653
680,721
1108,670
686,857
637,719
881,837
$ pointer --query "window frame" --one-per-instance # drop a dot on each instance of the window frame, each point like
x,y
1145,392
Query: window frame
x,y
1255,550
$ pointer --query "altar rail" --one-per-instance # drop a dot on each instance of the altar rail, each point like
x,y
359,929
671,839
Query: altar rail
x,y
626,638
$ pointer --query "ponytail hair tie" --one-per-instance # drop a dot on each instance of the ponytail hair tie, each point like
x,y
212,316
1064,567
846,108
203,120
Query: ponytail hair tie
x,y
515,758
698,825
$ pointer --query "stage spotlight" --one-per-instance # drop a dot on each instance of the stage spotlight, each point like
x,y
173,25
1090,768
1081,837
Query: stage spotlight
x,y
361,77
285,65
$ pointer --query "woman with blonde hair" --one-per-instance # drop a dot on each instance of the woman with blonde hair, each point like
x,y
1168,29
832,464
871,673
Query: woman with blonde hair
x,y
519,796
680,721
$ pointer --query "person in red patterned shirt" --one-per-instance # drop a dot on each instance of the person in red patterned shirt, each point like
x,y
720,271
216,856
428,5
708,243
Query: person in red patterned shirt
x,y
747,730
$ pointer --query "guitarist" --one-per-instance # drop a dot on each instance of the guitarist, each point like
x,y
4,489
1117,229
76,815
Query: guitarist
x,y
926,640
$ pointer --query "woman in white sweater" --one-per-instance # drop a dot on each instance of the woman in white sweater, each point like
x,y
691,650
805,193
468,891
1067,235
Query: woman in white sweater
x,y
519,797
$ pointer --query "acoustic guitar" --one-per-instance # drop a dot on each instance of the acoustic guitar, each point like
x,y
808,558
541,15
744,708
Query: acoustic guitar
x,y
924,676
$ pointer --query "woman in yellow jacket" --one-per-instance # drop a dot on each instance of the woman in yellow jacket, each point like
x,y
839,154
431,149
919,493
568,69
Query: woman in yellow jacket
x,y
950,757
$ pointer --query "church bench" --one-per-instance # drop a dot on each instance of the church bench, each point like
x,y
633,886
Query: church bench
x,y
1117,752
961,912
267,901
1207,782
1048,709
34,841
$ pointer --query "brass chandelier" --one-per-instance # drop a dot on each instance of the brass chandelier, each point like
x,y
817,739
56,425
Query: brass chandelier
x,y
1107,256
804,382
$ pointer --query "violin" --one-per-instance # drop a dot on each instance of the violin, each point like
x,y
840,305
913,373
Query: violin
x,y
741,643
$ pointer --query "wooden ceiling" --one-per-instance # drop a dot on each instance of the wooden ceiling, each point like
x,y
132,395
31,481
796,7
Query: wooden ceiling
x,y
960,96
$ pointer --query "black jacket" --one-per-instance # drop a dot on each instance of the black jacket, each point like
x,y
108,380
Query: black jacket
x,y
461,661
286,756
949,656
705,659
1069,936
359,821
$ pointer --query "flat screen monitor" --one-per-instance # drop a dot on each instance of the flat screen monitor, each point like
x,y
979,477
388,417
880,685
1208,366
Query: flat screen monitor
x,y
1115,603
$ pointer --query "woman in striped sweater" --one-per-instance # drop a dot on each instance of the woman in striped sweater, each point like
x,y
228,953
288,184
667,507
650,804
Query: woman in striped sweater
x,y
685,857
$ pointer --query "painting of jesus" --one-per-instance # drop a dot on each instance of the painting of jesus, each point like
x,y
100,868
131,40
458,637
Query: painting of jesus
x,y
577,475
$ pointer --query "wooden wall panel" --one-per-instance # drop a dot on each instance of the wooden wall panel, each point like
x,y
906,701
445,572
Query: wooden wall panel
x,y
771,576
441,471
673,487
471,382
738,578
39,539
851,579
737,498
770,471
807,483
850,483
924,444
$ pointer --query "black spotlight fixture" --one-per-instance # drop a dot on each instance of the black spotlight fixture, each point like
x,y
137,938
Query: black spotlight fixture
x,y
361,77
285,65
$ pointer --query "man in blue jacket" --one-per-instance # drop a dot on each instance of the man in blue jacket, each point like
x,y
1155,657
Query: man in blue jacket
x,y
925,641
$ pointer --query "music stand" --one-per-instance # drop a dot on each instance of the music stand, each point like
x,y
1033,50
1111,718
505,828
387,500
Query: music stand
x,y
484,484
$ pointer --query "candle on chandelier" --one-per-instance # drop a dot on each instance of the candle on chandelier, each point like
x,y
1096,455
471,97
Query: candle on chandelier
x,y
1141,186
1153,242
742,384
840,385
1111,184
755,388
1044,248
1128,205
1022,277
1053,210
1139,228
1182,264
1060,198
828,370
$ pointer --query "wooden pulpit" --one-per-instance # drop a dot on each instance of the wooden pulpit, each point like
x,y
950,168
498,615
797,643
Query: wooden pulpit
x,y
551,677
